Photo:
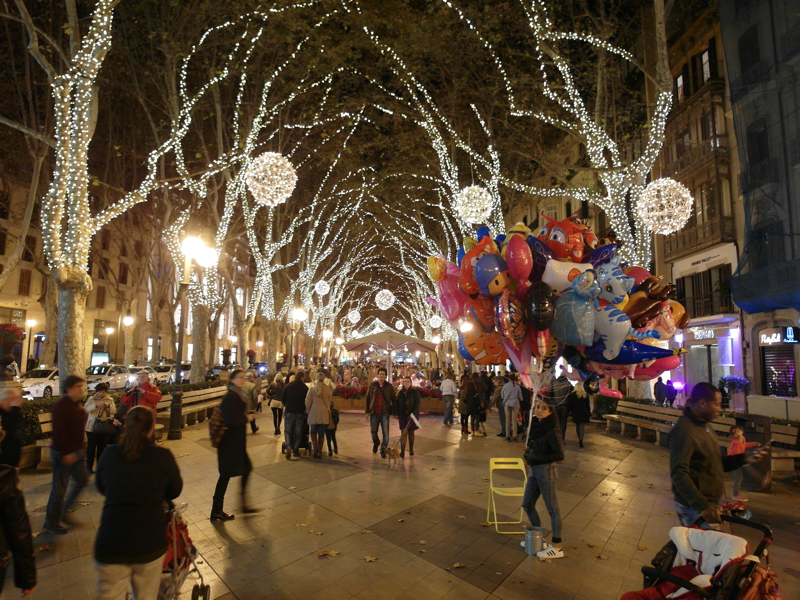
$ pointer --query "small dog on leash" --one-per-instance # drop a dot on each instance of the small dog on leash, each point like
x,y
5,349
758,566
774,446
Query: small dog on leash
x,y
393,454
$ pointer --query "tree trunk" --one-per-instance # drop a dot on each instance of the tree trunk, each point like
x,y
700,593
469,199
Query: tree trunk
x,y
213,357
243,327
50,307
129,332
200,315
74,286
155,331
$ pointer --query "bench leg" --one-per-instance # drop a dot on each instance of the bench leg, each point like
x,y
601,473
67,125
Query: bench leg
x,y
622,427
638,434
658,437
191,418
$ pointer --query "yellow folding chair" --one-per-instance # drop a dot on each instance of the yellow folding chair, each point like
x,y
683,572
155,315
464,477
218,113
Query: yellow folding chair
x,y
505,464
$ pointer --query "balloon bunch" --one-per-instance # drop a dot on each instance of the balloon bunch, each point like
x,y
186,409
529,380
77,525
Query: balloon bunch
x,y
560,293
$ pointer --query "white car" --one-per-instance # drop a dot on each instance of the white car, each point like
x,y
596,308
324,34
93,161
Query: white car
x,y
116,376
40,383
163,374
134,373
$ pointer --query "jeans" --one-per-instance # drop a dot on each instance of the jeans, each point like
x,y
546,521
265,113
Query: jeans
x,y
737,480
562,412
383,421
542,482
686,514
95,442
330,435
448,409
293,430
511,420
143,580
57,504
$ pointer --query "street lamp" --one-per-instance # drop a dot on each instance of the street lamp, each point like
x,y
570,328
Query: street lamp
x,y
109,331
31,324
260,344
127,321
327,334
298,316
193,249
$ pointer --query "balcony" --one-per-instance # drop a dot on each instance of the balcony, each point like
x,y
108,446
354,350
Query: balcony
x,y
791,42
772,287
689,241
759,175
756,74
705,153
711,89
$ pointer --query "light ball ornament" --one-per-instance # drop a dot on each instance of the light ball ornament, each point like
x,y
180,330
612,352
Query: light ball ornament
x,y
354,316
399,324
384,299
407,332
474,204
664,206
435,322
271,178
322,287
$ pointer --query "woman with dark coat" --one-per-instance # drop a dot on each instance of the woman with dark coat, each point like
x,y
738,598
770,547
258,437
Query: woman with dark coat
x,y
463,407
136,477
15,531
406,403
474,401
578,405
232,450
545,449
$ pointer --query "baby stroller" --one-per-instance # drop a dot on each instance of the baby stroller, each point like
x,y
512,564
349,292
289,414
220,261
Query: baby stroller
x,y
705,563
180,559
305,441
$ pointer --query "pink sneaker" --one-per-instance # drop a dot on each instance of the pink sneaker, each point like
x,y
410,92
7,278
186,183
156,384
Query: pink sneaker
x,y
740,499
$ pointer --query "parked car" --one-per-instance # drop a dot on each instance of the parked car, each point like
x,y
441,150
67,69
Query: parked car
x,y
185,373
217,369
134,373
163,374
116,376
260,367
40,383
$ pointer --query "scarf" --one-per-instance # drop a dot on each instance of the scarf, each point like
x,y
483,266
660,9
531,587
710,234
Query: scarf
x,y
539,428
238,392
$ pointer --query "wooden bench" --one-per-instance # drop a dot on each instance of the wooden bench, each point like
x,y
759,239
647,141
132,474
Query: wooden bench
x,y
644,417
783,459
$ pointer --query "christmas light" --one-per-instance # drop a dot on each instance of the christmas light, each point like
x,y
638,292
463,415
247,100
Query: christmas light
x,y
435,321
384,299
354,316
474,204
322,287
399,325
271,179
664,206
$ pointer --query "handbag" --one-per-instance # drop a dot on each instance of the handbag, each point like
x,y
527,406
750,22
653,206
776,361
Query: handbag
x,y
104,427
216,427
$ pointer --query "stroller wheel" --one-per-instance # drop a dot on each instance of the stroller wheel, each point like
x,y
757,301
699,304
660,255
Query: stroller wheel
x,y
206,592
196,592
283,448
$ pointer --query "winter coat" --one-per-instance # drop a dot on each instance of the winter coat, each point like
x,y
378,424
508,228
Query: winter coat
x,y
15,532
94,411
473,401
250,392
544,442
233,447
275,392
578,405
318,404
407,403
388,398
11,446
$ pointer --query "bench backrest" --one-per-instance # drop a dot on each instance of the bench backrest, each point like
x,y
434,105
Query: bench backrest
x,y
46,422
646,411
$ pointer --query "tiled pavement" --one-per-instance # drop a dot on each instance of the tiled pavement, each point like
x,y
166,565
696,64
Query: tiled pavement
x,y
418,520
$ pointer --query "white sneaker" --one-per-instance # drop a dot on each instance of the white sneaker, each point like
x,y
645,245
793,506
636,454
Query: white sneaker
x,y
551,552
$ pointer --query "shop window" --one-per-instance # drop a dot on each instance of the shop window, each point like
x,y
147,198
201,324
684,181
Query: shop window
x,y
778,371
24,282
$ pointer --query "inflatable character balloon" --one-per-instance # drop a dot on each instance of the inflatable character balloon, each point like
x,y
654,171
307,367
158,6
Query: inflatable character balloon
x,y
574,318
568,238
467,281
509,319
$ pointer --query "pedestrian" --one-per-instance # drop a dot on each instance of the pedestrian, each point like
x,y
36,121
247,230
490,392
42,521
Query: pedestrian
x,y
579,406
330,432
545,449
232,456
143,393
463,407
512,396
11,421
275,393
15,526
660,392
379,405
559,392
136,477
318,403
497,402
250,393
738,446
485,397
294,402
473,399
406,405
449,393
672,393
66,453
696,463
98,408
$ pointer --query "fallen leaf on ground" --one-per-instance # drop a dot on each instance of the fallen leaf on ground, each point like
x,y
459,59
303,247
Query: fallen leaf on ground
x,y
574,547
478,492
461,517
422,542
484,479
641,547
317,533
180,455
376,503
601,557
458,566
618,472
401,520
590,545
328,552
423,551
46,548
668,512
604,493
292,487
487,524
432,469
366,531
370,558
301,524
631,475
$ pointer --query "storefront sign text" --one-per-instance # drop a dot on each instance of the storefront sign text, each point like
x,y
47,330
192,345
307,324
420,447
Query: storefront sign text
x,y
779,335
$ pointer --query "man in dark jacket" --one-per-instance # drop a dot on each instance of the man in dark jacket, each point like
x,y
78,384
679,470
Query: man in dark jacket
x,y
16,537
294,403
380,404
696,462
66,451
11,418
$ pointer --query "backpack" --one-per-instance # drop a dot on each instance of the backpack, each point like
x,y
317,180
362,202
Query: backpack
x,y
216,427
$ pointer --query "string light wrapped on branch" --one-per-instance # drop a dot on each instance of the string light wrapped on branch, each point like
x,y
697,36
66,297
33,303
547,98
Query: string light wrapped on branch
x,y
322,287
474,204
271,179
435,322
399,324
354,316
384,299
664,206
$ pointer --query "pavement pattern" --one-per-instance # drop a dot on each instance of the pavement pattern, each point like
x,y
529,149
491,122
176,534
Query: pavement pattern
x,y
411,531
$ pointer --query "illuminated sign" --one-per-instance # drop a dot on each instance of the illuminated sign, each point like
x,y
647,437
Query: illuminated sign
x,y
703,334
778,335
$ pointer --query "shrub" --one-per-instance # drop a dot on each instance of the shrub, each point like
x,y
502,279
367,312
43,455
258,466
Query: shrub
x,y
31,431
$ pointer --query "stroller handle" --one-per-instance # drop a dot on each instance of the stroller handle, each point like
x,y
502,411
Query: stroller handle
x,y
744,522
679,581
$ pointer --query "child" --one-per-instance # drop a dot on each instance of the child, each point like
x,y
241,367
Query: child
x,y
738,445
330,432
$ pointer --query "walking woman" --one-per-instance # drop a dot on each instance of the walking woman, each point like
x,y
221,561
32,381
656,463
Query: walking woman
x,y
136,477
98,407
463,407
232,450
318,408
578,405
407,404
275,393
545,449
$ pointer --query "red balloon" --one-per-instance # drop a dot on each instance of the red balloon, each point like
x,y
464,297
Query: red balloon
x,y
509,319
639,274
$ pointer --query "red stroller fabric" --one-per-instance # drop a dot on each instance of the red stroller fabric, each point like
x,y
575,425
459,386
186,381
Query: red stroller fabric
x,y
665,588
180,544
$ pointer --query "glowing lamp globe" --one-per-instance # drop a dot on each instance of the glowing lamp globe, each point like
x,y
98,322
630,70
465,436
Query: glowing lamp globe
x,y
384,299
474,204
407,332
435,321
271,179
398,324
127,321
354,316
664,206
322,287
436,339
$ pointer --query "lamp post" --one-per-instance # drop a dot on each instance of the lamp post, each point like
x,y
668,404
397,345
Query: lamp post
x,y
193,248
298,316
339,342
31,324
109,331
259,345
327,334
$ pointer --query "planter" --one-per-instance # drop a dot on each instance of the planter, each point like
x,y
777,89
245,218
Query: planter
x,y
31,455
